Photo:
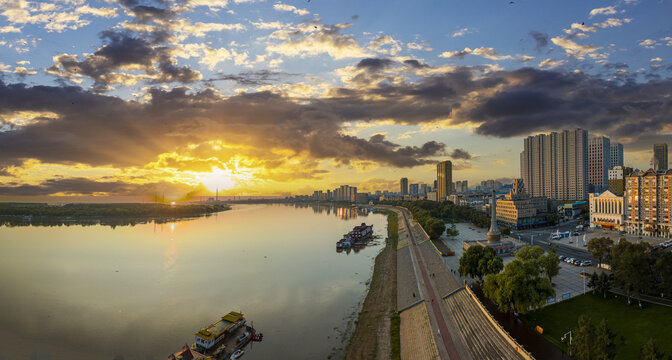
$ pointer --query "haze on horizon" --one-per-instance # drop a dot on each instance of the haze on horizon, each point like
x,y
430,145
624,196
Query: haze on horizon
x,y
132,98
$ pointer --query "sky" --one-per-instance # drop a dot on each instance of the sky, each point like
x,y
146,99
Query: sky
x,y
183,98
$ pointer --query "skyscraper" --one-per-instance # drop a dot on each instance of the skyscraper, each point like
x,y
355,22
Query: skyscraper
x,y
599,159
404,186
423,189
555,165
660,157
444,179
616,155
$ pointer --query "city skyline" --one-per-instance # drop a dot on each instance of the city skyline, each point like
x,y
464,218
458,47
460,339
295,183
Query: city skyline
x,y
134,98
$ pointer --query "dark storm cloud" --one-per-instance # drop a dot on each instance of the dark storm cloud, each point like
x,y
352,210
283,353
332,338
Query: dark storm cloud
x,y
84,186
374,64
98,130
257,77
415,64
540,39
144,14
618,65
460,154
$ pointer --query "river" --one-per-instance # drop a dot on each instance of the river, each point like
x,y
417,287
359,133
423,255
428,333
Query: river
x,y
141,292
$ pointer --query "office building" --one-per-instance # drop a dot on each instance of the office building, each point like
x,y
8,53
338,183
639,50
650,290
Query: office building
x,y
403,186
599,158
518,210
555,165
414,189
606,211
616,155
648,203
660,157
423,189
617,176
444,179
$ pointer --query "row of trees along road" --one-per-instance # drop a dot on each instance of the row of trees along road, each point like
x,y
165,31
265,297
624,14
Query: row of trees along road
x,y
442,210
637,268
525,283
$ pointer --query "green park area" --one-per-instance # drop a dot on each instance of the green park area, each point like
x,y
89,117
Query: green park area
x,y
632,326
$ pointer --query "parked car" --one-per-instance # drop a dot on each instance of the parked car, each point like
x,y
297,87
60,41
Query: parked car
x,y
569,260
586,263
561,257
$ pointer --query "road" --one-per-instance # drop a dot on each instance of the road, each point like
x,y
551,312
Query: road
x,y
541,237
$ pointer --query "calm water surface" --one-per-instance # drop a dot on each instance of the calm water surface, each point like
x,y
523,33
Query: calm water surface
x,y
141,292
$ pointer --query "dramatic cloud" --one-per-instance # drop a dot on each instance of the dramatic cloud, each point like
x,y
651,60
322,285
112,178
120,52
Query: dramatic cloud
x,y
573,49
313,38
122,51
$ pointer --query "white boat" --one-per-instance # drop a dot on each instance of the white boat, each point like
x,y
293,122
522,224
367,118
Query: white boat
x,y
238,353
243,337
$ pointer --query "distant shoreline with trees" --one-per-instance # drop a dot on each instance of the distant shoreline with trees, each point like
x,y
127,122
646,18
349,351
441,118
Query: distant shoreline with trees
x,y
112,214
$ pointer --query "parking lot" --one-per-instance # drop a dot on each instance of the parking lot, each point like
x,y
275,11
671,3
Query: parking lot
x,y
569,283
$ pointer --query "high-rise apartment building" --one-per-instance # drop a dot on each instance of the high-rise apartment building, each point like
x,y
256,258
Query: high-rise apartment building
x,y
444,179
462,187
617,176
660,157
648,201
616,155
555,165
403,186
423,189
599,159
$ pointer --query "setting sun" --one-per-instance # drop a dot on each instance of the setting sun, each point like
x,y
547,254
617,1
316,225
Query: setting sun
x,y
218,179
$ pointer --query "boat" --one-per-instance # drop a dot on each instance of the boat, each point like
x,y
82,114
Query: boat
x,y
359,236
238,353
207,338
258,337
243,337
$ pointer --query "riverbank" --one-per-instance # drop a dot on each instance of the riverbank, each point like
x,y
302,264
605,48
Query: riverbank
x,y
27,214
377,335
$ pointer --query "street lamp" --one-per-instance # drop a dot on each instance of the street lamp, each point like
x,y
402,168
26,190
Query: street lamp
x,y
570,341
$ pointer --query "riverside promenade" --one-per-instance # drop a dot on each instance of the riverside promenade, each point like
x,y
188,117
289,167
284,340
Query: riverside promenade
x,y
437,320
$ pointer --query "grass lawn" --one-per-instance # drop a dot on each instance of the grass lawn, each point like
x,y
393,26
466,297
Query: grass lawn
x,y
637,326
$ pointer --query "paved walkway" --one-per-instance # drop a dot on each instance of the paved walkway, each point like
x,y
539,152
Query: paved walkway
x,y
647,298
443,338
417,335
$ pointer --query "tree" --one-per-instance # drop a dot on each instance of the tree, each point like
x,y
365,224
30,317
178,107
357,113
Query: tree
x,y
506,231
600,248
479,261
529,253
664,270
583,342
604,342
434,228
521,286
601,283
650,351
550,264
632,265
